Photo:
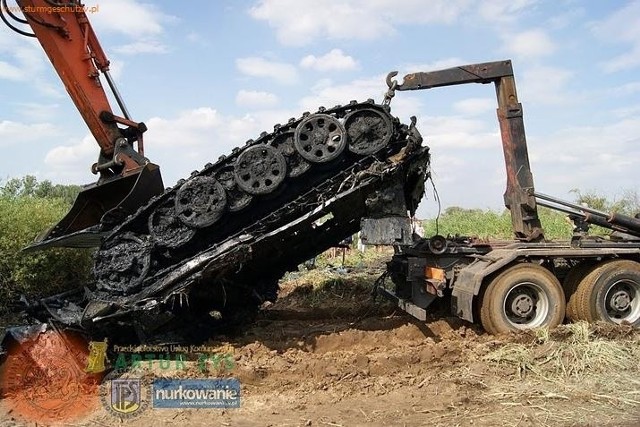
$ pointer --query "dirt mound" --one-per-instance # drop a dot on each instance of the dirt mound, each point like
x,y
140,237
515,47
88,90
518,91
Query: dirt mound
x,y
326,354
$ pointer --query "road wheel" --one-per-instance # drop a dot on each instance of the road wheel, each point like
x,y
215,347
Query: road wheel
x,y
525,296
611,293
571,282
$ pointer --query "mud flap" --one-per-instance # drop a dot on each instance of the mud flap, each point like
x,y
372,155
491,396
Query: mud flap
x,y
99,207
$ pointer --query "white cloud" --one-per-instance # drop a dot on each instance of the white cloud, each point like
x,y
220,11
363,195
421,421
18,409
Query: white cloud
x,y
630,59
473,106
626,89
116,68
17,133
503,10
622,26
195,137
11,72
196,38
142,46
326,93
574,157
454,132
257,99
546,85
299,22
130,17
259,67
529,44
566,19
627,112
37,112
71,160
333,60
186,128
22,59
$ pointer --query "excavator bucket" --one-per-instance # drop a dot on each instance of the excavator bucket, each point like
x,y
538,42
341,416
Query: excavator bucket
x,y
99,207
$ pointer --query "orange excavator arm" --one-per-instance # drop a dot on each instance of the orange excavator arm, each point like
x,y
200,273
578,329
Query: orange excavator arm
x,y
127,178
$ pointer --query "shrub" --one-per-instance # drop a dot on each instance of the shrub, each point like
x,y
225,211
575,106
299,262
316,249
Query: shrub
x,y
42,273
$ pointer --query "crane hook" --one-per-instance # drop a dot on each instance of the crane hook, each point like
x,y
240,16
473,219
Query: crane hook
x,y
393,84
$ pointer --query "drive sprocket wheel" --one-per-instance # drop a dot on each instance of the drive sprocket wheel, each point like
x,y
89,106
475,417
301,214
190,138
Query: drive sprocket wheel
x,y
236,198
165,227
122,263
320,138
260,169
296,165
368,130
200,202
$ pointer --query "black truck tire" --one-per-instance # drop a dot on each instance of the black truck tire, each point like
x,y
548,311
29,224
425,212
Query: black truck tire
x,y
525,296
610,293
571,282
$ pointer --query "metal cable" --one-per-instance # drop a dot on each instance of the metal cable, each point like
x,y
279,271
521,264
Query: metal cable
x,y
436,196
4,8
15,17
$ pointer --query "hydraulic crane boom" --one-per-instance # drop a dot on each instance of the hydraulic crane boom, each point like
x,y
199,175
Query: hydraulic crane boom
x,y
127,178
518,197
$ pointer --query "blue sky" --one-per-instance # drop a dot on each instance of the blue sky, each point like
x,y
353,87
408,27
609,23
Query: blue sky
x,y
207,75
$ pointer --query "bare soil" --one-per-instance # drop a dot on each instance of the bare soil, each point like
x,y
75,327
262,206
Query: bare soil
x,y
327,355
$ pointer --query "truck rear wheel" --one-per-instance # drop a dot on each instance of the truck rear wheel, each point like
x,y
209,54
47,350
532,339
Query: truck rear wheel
x,y
571,283
610,292
522,297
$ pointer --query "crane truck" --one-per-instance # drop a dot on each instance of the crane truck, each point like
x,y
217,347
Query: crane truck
x,y
530,282
219,241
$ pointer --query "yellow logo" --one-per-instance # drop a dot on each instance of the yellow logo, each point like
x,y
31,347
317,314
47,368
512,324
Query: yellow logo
x,y
97,357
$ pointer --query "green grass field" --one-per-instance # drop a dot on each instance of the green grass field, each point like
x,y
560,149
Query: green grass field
x,y
497,225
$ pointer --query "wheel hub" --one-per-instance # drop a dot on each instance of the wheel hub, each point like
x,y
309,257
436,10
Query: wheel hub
x,y
523,305
620,300
526,305
320,138
200,202
260,169
369,131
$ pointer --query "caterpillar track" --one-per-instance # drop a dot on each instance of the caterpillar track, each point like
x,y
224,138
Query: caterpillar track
x,y
215,245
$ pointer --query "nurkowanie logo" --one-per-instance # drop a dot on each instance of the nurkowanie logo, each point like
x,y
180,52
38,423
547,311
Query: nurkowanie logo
x,y
196,393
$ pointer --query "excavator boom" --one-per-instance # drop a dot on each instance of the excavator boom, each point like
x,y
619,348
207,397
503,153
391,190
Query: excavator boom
x,y
127,179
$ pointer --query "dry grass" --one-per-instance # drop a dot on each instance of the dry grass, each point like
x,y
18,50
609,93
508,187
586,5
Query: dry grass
x,y
575,351
576,375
